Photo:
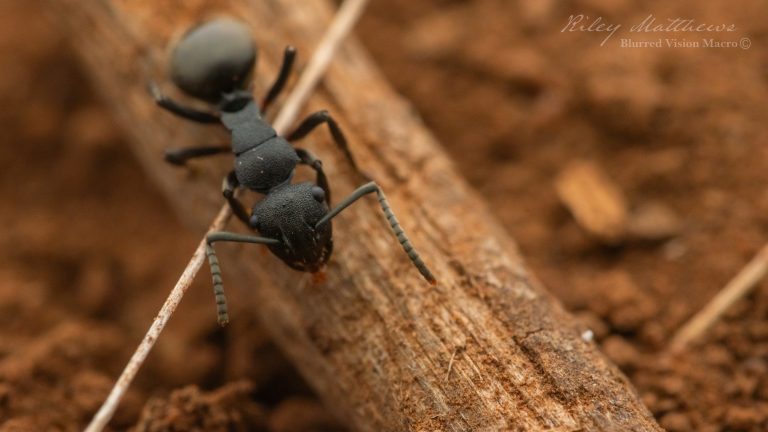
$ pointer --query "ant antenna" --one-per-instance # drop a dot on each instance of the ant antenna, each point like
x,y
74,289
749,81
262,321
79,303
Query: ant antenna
x,y
393,223
213,261
218,286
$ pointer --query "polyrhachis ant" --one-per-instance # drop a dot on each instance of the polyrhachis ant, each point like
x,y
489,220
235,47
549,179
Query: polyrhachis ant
x,y
214,62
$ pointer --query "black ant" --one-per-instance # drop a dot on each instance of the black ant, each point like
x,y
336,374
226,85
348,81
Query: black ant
x,y
214,62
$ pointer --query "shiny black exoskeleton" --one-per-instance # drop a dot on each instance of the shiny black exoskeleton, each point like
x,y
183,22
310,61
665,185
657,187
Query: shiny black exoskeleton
x,y
214,62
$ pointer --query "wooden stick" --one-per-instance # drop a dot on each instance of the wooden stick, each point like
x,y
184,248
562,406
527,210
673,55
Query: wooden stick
x,y
348,14
736,289
374,340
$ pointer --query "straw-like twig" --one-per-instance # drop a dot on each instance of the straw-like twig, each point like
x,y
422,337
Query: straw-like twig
x,y
342,24
736,289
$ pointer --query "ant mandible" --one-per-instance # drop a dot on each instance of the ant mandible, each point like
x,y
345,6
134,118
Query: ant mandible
x,y
213,62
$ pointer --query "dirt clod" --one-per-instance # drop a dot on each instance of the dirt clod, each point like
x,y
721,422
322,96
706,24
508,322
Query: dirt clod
x,y
227,409
301,414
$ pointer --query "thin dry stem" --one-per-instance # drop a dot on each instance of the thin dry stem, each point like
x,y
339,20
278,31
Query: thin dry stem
x,y
450,365
737,288
342,24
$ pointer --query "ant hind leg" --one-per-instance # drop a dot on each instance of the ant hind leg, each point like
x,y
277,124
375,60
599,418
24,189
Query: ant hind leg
x,y
282,77
180,110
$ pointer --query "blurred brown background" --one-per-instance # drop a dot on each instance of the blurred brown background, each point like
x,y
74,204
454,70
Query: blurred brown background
x,y
89,248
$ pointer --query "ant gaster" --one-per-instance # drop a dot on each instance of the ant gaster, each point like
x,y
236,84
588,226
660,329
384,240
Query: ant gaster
x,y
214,62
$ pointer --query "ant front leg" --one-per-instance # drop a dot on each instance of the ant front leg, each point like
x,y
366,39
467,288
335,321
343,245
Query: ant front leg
x,y
228,187
213,262
182,155
307,158
315,120
182,111
282,77
393,223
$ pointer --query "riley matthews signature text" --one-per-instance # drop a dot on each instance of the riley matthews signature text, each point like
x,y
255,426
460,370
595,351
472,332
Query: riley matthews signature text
x,y
583,23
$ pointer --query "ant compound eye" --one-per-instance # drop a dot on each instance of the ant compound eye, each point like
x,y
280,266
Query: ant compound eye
x,y
254,222
318,194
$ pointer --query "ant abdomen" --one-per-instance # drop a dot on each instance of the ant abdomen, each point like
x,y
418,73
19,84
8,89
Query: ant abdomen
x,y
213,58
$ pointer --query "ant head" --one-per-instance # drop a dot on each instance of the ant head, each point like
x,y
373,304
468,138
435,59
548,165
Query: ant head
x,y
289,214
214,58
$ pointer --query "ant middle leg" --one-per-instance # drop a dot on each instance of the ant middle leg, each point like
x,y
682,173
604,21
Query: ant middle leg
x,y
228,187
393,223
307,158
315,120
282,77
182,155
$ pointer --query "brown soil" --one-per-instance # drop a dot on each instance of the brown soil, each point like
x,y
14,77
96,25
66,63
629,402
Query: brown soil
x,y
89,252
90,249
515,100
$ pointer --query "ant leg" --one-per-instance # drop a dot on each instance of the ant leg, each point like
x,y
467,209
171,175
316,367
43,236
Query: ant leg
x,y
180,156
228,187
307,158
180,110
213,262
315,120
393,223
282,77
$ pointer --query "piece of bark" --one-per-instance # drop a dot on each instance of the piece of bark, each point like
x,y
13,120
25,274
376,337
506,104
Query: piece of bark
x,y
374,340
653,222
594,200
